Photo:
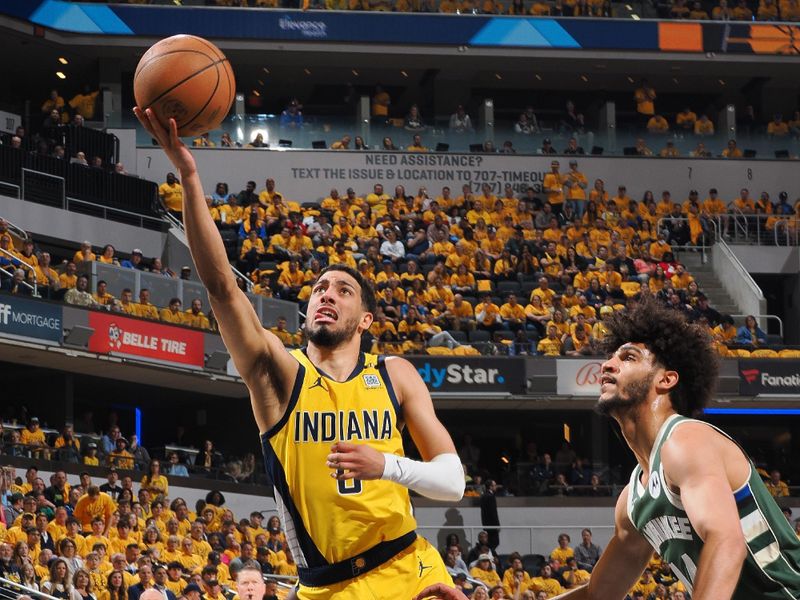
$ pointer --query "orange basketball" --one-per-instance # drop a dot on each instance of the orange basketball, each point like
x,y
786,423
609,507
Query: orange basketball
x,y
186,78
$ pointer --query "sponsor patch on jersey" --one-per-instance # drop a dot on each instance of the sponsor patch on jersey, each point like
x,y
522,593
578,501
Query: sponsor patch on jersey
x,y
654,485
372,381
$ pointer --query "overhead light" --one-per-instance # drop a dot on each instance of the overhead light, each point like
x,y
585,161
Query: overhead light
x,y
307,71
498,76
260,82
63,60
266,70
721,81
403,73
60,75
584,78
675,80
538,77
635,17
630,79
354,72
255,93
629,7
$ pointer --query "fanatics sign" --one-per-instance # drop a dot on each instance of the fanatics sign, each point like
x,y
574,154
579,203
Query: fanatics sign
x,y
769,376
154,341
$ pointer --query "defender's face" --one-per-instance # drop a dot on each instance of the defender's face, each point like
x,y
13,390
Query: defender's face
x,y
626,377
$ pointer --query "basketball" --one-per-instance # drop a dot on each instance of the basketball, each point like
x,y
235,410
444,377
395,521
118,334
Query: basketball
x,y
186,78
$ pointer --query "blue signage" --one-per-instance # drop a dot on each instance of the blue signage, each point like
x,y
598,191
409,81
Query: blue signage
x,y
30,318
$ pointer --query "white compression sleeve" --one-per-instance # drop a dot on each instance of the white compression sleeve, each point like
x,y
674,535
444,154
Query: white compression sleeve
x,y
440,479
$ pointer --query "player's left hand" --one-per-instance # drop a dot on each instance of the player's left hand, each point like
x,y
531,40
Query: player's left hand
x,y
355,461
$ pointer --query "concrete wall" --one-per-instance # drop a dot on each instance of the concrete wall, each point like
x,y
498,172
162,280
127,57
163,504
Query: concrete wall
x,y
307,176
737,281
765,259
66,225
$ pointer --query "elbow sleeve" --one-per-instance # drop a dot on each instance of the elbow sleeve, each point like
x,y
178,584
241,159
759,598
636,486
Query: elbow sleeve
x,y
440,479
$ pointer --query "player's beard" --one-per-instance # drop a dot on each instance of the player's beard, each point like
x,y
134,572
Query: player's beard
x,y
327,337
626,398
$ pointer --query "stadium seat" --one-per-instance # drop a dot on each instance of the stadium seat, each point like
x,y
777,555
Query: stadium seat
x,y
284,143
476,147
440,147
533,563
472,300
597,150
763,353
319,145
781,154
508,287
629,151
749,153
773,339
457,335
478,335
267,265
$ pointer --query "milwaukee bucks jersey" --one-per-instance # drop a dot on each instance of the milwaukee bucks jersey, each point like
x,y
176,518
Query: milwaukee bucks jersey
x,y
327,520
772,567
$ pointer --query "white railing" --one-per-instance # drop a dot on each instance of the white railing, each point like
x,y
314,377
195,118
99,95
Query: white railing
x,y
106,210
11,589
732,274
34,287
762,318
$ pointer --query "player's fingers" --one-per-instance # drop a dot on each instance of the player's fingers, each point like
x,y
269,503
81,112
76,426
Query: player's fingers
x,y
343,447
343,475
346,465
173,132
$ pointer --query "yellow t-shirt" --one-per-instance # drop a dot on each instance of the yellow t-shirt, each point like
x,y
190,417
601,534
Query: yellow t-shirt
x,y
172,196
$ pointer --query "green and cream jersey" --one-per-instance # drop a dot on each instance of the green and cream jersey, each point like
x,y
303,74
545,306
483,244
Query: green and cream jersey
x,y
772,567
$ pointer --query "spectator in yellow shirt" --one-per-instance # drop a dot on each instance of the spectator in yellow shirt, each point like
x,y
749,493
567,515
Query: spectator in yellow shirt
x,y
732,151
657,125
92,505
487,314
553,186
546,582
120,457
84,254
101,295
776,487
173,313
513,314
645,96
704,126
69,278
777,127
563,551
484,572
171,194
551,345
155,482
144,308
194,317
685,120
646,585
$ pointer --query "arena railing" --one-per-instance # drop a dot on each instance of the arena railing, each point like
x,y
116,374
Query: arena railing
x,y
11,590
321,131
755,229
71,186
22,263
520,538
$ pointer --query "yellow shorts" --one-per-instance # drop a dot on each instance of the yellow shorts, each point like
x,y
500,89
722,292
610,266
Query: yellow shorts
x,y
400,578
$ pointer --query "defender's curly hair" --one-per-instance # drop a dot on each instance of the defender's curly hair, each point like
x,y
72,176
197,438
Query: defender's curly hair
x,y
677,346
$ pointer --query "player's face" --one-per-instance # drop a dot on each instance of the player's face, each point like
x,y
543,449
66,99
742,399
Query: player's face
x,y
335,313
627,378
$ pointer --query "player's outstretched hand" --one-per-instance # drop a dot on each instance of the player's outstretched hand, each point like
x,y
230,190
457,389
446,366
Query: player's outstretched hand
x,y
355,461
442,592
168,139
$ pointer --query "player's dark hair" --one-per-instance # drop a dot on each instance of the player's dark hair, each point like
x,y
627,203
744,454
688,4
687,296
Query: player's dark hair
x,y
677,346
367,291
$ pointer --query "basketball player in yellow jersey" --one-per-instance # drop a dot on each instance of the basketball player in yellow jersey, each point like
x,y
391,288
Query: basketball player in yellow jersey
x,y
330,421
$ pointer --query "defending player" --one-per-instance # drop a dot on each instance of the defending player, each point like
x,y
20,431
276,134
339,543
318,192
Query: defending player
x,y
330,419
694,496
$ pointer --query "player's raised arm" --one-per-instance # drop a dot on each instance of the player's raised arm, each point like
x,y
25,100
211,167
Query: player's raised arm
x,y
266,367
707,496
620,565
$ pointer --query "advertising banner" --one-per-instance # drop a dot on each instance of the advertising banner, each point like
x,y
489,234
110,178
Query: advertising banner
x,y
307,176
446,374
578,377
30,318
121,335
409,28
769,376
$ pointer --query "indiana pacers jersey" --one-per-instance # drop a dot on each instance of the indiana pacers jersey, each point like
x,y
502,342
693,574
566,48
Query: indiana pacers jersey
x,y
328,521
772,567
